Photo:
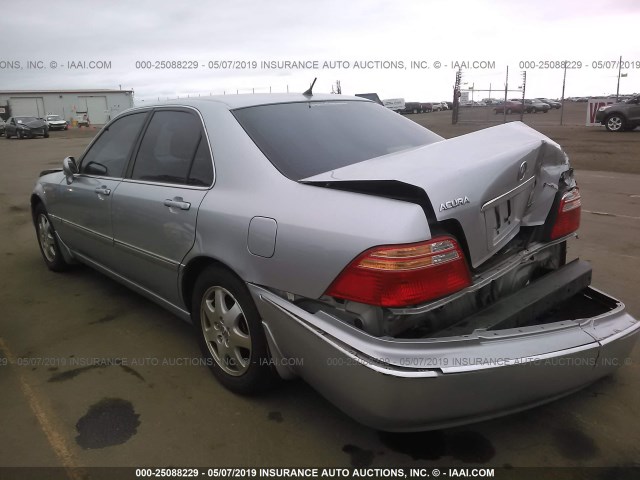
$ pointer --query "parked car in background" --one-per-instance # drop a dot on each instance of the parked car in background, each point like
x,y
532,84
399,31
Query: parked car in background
x,y
445,105
426,107
534,106
437,106
412,107
56,122
454,302
82,120
509,107
622,116
552,103
26,127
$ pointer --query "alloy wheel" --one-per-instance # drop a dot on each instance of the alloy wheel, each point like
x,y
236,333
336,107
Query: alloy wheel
x,y
226,331
45,237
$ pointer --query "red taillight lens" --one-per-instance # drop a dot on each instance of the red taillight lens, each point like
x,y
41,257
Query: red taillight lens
x,y
401,275
568,218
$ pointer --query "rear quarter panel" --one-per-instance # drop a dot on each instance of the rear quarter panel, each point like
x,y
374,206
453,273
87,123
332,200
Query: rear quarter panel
x,y
319,231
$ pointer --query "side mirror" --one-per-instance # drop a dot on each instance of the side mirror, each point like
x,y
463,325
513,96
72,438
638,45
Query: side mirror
x,y
70,168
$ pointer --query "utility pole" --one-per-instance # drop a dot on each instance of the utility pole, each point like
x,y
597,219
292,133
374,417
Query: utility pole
x,y
506,93
564,80
524,88
619,72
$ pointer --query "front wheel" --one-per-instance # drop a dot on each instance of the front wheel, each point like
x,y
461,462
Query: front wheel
x,y
48,242
230,332
615,123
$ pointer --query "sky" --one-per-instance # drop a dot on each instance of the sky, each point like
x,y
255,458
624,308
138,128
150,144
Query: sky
x,y
407,49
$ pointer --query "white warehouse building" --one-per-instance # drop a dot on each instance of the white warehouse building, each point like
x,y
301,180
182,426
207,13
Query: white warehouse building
x,y
99,105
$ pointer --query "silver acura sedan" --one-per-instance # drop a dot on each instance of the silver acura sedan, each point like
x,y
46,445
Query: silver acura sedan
x,y
415,282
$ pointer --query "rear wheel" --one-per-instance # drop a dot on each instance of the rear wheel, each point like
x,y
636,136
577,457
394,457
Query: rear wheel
x,y
615,123
230,332
19,134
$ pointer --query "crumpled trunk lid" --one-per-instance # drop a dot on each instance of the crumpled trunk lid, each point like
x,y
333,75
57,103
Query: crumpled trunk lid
x,y
492,182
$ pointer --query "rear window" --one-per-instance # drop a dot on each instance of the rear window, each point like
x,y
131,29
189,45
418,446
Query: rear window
x,y
307,138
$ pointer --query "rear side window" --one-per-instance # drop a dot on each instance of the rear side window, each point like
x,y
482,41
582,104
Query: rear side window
x,y
308,138
173,149
110,153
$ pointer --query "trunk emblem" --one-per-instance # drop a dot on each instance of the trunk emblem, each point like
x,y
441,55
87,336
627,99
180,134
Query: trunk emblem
x,y
456,202
522,171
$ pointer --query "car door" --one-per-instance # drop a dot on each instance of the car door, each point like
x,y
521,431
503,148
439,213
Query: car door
x,y
634,110
82,213
10,128
156,206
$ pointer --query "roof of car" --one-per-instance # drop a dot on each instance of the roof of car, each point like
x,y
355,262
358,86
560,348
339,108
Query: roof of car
x,y
251,100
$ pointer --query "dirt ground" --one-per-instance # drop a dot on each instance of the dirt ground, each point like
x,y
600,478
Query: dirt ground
x,y
58,408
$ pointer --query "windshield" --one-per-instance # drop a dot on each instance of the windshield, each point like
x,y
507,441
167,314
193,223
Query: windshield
x,y
25,119
53,117
307,138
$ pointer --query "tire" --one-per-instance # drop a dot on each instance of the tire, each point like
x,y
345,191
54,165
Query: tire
x,y
615,123
48,242
19,134
230,332
46,135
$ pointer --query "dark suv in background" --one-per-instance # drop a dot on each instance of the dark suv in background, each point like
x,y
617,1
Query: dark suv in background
x,y
620,116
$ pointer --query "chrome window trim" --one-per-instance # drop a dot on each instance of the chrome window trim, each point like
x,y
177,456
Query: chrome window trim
x,y
206,135
172,185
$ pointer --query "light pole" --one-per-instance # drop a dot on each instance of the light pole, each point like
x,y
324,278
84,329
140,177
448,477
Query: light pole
x,y
618,87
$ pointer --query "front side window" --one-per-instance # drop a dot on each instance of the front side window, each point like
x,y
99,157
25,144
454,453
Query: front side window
x,y
108,156
174,150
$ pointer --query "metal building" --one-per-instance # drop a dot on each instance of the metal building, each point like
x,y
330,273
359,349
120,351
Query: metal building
x,y
99,105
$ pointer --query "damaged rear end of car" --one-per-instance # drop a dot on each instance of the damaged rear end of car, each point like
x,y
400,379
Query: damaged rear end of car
x,y
481,318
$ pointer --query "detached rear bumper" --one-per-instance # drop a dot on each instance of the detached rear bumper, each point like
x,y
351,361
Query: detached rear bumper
x,y
405,385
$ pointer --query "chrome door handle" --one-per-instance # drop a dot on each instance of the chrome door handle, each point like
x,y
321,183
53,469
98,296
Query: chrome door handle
x,y
177,202
103,190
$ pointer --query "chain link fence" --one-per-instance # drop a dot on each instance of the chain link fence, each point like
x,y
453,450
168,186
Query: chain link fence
x,y
479,101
